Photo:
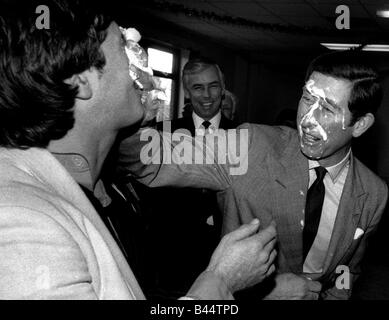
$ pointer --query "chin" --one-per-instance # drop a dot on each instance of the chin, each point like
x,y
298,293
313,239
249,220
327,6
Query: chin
x,y
312,154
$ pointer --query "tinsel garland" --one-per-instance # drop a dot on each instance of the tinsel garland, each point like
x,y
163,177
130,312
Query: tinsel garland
x,y
178,8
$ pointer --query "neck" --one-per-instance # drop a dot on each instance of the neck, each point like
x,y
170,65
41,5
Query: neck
x,y
335,158
94,146
207,118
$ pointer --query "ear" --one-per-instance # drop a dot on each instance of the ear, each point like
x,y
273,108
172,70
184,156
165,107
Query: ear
x,y
363,123
83,84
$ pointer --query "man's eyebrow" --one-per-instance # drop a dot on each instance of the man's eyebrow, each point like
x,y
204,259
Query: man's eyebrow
x,y
332,103
202,84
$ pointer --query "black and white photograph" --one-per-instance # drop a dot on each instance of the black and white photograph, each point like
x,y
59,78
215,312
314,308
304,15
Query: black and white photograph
x,y
201,155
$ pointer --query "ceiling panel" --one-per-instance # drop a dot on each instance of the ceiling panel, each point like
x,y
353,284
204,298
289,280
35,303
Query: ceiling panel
x,y
374,2
328,10
198,4
250,11
372,9
332,2
281,1
308,21
293,23
290,9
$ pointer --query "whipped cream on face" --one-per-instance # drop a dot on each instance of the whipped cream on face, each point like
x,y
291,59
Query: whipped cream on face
x,y
131,34
320,93
135,53
309,116
153,97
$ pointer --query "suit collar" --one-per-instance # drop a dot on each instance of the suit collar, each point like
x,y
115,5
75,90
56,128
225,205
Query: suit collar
x,y
335,170
198,121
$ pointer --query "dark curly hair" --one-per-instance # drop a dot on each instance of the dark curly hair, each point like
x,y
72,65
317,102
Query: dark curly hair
x,y
366,93
36,105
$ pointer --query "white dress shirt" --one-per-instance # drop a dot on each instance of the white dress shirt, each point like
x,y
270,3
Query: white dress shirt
x,y
334,183
201,131
198,123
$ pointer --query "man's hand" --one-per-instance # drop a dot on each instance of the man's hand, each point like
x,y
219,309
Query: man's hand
x,y
290,286
243,257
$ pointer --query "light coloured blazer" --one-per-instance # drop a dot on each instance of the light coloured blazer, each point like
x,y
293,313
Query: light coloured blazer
x,y
275,187
53,244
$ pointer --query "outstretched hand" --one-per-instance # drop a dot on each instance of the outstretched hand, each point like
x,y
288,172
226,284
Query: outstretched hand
x,y
245,257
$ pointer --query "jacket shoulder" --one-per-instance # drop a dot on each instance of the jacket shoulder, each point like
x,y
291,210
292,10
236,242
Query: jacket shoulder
x,y
226,123
180,123
277,139
369,178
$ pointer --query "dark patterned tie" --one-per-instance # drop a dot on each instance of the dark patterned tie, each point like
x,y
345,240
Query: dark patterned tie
x,y
313,208
206,124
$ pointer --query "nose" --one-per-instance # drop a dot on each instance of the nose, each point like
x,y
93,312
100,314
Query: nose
x,y
206,93
306,118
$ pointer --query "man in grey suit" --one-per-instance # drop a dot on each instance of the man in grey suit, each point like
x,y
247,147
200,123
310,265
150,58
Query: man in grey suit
x,y
322,232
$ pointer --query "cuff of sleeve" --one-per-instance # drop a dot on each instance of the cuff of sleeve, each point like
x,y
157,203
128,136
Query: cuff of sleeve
x,y
208,286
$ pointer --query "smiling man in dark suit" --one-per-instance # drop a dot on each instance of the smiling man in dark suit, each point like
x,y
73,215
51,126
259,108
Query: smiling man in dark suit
x,y
188,220
204,86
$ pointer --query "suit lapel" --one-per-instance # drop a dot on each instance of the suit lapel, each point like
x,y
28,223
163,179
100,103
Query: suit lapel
x,y
187,123
290,176
226,123
347,218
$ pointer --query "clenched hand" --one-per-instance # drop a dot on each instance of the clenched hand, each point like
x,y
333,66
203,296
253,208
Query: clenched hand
x,y
245,257
290,286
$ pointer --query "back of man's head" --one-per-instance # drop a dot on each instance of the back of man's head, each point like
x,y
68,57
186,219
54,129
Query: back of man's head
x,y
36,106
366,92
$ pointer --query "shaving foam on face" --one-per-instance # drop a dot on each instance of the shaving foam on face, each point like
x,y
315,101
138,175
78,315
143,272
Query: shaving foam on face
x,y
153,97
310,116
320,94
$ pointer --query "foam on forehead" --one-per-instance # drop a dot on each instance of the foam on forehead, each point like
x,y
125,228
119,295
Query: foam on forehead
x,y
310,86
319,93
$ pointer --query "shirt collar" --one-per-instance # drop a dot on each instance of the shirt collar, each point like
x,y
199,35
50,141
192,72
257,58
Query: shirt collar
x,y
215,121
334,170
78,167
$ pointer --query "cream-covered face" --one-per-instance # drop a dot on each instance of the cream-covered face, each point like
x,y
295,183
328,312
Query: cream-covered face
x,y
323,119
119,100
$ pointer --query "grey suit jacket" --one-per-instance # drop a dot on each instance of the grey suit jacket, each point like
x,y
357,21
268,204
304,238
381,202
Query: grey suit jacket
x,y
278,172
274,187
